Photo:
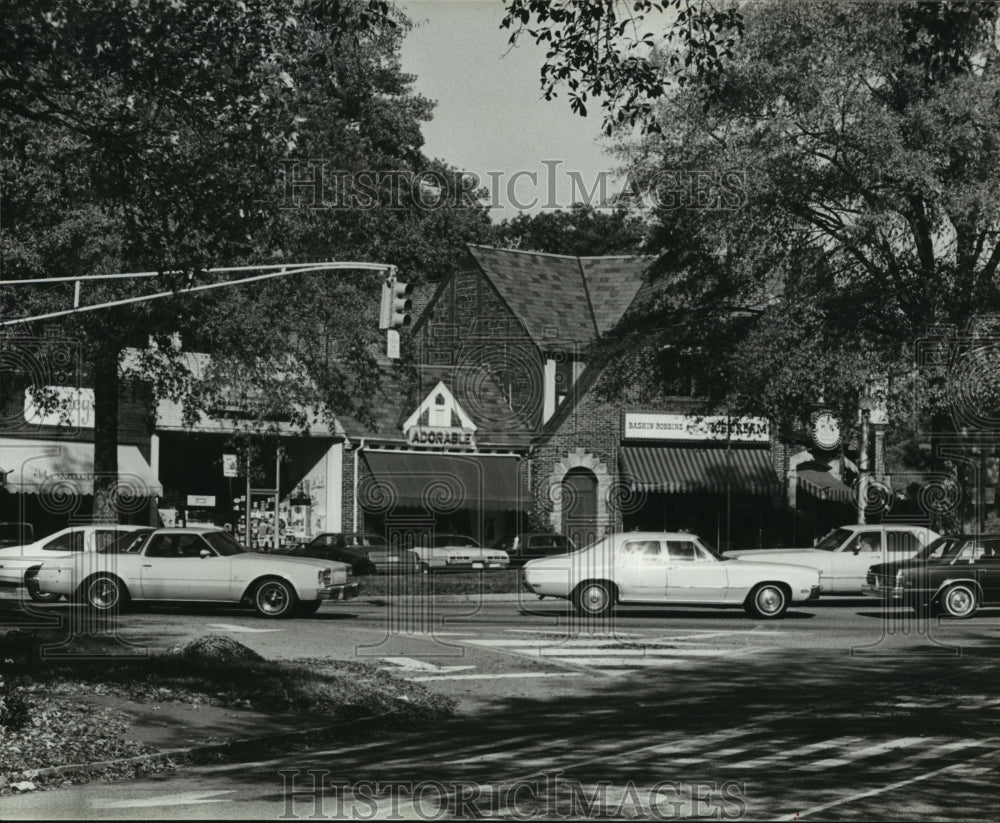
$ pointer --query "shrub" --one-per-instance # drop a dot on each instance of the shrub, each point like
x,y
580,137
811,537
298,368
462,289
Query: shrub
x,y
15,713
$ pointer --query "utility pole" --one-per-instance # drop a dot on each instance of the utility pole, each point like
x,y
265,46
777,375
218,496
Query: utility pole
x,y
863,465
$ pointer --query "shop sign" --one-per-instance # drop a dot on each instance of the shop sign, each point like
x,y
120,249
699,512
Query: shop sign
x,y
442,437
207,500
61,406
643,426
229,466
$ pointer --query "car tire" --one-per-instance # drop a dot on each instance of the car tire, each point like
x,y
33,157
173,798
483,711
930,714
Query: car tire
x,y
104,593
307,608
595,598
35,593
274,599
767,601
959,601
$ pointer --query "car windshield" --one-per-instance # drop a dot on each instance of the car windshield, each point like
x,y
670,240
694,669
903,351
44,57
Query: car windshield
x,y
942,547
224,543
710,548
834,539
440,541
372,541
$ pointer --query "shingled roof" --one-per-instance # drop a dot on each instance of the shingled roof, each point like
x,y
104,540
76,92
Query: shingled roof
x,y
562,300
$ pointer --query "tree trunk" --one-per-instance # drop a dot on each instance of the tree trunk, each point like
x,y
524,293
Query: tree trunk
x,y
106,385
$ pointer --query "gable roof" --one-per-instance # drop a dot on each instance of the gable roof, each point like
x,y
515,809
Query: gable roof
x,y
562,300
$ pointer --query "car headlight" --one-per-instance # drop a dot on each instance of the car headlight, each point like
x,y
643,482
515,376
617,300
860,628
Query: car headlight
x,y
325,577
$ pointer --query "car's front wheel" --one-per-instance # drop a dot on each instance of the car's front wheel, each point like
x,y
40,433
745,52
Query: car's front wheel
x,y
767,601
34,592
274,598
105,593
595,598
959,601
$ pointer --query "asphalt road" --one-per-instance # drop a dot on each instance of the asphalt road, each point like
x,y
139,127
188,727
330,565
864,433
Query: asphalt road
x,y
841,711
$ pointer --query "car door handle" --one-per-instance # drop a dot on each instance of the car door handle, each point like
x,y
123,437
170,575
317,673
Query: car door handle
x,y
147,565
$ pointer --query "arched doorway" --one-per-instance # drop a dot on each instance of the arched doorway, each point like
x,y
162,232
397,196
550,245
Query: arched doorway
x,y
579,511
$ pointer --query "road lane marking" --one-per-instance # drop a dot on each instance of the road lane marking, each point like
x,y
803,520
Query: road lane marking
x,y
860,754
179,799
837,742
229,627
502,676
893,786
411,664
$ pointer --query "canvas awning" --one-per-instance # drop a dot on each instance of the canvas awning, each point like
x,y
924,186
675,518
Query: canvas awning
x,y
678,470
439,482
67,467
823,485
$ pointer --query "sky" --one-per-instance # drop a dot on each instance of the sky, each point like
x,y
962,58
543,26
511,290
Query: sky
x,y
491,118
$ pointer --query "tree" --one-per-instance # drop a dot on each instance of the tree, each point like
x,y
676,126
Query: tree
x,y
132,140
607,49
822,203
581,230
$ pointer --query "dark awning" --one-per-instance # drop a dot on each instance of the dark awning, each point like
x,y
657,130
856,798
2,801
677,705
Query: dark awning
x,y
684,470
823,485
442,483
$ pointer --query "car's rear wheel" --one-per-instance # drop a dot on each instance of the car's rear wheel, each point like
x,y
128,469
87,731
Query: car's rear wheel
x,y
959,601
595,598
34,592
308,608
105,593
274,598
768,601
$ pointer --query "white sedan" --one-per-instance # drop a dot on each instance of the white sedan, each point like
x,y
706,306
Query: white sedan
x,y
666,567
19,565
451,552
844,555
199,565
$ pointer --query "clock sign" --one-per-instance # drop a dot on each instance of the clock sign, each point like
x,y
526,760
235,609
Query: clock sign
x,y
826,431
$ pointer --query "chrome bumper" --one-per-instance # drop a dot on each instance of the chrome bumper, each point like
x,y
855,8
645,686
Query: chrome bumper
x,y
346,591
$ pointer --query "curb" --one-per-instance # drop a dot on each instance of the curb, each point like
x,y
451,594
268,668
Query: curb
x,y
197,750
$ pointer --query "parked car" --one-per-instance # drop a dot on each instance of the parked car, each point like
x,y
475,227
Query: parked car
x,y
845,553
444,552
366,553
19,565
955,575
16,534
527,546
667,567
197,565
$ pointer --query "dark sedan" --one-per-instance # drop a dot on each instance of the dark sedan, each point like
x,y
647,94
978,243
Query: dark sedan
x,y
526,546
367,553
953,575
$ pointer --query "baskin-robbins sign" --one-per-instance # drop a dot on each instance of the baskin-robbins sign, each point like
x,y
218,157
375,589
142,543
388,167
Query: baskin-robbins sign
x,y
66,406
692,427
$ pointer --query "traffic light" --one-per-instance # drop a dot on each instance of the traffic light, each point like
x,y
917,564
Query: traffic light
x,y
396,304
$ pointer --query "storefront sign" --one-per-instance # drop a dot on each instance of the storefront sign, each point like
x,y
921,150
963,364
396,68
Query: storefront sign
x,y
229,466
60,406
444,437
643,426
201,500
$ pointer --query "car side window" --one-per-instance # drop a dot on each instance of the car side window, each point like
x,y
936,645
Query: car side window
x,y
682,550
105,539
69,542
641,551
190,545
161,546
902,542
865,543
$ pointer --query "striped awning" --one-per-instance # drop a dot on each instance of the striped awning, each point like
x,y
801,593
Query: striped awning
x,y
823,485
678,470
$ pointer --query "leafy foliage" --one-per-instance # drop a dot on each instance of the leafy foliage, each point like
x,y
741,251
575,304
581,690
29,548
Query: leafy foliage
x,y
605,49
581,230
868,138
